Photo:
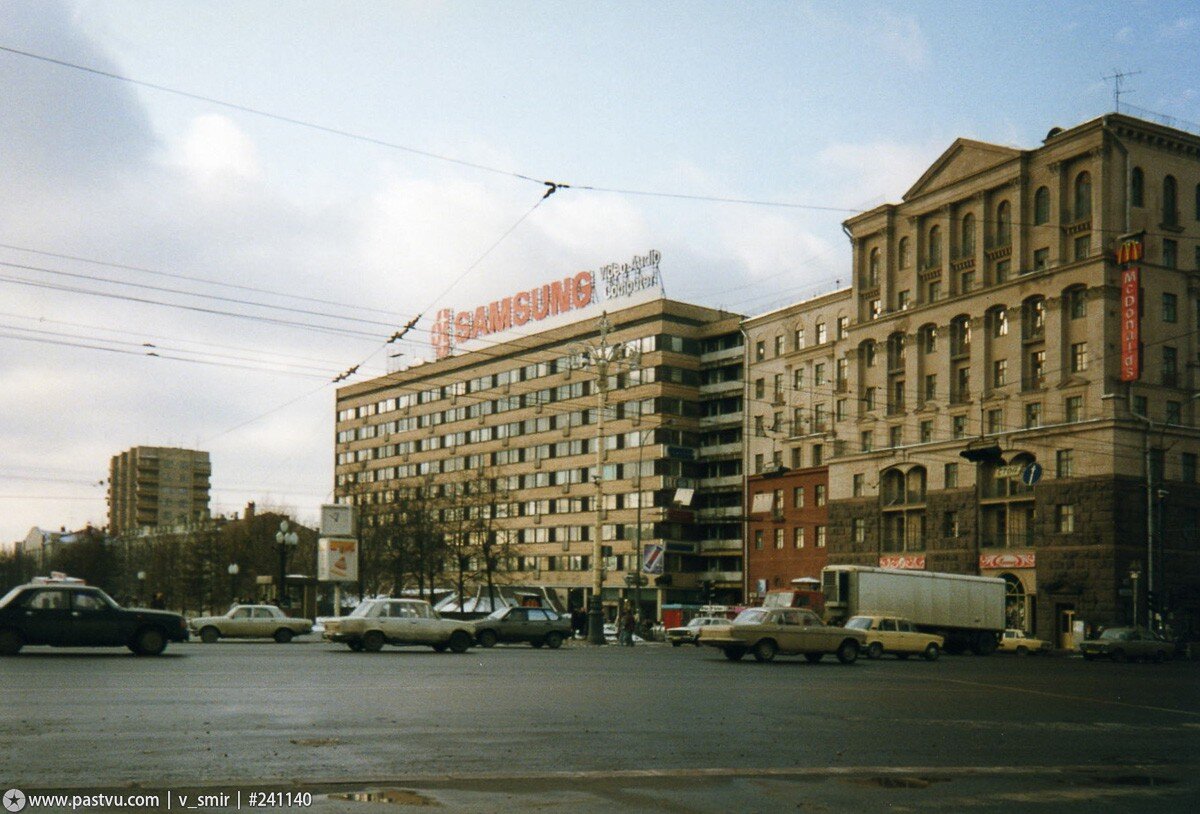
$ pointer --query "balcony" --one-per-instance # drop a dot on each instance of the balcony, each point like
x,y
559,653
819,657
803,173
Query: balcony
x,y
720,576
718,450
721,546
721,388
723,355
727,482
723,420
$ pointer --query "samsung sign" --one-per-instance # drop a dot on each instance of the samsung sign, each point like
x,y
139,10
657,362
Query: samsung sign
x,y
551,304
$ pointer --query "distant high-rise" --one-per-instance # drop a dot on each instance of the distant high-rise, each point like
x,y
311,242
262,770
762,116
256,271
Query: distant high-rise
x,y
157,486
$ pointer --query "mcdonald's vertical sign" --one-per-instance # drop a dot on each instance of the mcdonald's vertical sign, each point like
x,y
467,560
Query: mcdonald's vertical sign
x,y
1129,252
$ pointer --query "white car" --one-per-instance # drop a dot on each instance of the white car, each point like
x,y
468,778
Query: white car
x,y
250,622
376,622
690,633
1017,641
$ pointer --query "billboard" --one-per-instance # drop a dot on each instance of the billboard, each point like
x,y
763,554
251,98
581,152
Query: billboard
x,y
337,559
1129,251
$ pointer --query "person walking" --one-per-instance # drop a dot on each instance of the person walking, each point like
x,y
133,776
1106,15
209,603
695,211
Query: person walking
x,y
628,624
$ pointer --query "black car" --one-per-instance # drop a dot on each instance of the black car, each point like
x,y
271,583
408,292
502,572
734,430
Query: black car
x,y
73,615
538,626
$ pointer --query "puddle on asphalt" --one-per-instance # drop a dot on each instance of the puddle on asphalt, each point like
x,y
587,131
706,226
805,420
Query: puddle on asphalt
x,y
400,797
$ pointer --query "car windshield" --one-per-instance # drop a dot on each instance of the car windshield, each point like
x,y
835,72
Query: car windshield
x,y
1115,633
498,614
859,623
363,609
752,616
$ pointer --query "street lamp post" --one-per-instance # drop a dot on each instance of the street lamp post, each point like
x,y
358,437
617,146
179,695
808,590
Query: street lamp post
x,y
1134,573
141,578
602,355
284,539
233,572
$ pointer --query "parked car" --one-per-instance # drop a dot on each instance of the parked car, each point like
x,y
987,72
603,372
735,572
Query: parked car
x,y
250,622
538,626
690,633
376,622
891,634
1127,643
1017,641
766,632
75,615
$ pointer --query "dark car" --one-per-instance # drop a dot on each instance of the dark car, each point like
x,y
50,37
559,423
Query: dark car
x,y
73,615
538,626
1127,644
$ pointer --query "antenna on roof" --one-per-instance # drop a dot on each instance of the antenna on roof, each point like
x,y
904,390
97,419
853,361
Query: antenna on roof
x,y
1116,78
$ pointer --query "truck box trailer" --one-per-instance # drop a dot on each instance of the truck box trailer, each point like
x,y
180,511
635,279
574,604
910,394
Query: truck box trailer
x,y
967,610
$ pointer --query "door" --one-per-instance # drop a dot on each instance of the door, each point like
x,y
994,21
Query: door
x,y
240,623
266,621
94,623
1066,626
514,627
46,617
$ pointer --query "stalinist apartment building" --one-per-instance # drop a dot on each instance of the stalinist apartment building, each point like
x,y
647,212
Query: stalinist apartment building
x,y
513,402
1037,309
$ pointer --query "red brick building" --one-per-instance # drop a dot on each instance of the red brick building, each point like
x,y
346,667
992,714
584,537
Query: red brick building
x,y
787,528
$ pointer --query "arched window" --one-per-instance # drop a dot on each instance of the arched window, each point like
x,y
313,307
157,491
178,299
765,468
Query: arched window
x,y
997,321
960,335
895,351
1041,206
915,480
1033,318
927,338
935,246
867,352
1083,196
1170,202
1003,224
873,269
905,254
967,243
1137,187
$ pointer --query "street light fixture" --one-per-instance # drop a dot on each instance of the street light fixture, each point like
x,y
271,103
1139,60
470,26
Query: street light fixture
x,y
284,539
233,572
602,355
141,578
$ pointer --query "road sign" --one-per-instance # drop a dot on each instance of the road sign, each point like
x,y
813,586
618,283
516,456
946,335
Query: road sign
x,y
1010,471
1032,474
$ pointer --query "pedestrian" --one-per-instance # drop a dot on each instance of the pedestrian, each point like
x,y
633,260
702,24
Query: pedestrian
x,y
159,600
627,623
579,623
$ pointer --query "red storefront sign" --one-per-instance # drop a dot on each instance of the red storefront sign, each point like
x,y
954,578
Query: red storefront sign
x,y
1131,323
992,561
907,562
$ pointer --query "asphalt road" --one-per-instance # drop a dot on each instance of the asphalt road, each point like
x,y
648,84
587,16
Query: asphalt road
x,y
649,728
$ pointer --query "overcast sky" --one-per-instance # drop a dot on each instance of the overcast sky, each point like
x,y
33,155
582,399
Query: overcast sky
x,y
325,244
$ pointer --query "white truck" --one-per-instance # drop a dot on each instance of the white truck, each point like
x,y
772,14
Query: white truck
x,y
968,611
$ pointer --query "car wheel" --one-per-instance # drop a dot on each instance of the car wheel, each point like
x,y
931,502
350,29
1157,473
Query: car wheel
x,y
149,641
355,645
372,641
1022,650
283,635
554,640
847,652
765,650
487,638
209,635
1118,656
460,641
875,651
11,642
676,644
932,651
734,653
813,658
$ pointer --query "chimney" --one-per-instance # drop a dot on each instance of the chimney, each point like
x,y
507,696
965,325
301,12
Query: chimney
x,y
250,510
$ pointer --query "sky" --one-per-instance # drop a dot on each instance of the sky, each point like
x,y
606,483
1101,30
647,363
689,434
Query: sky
x,y
259,193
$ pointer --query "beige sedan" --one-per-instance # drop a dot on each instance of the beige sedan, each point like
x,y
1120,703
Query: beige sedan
x,y
765,632
891,634
250,622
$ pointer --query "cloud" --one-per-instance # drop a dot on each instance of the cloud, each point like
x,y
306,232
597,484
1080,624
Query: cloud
x,y
866,174
215,152
900,37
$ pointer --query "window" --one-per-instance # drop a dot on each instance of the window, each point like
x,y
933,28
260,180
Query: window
x,y
760,351
798,497
926,432
1077,302
866,441
1003,224
798,537
1137,187
958,426
822,336
856,488
904,300
930,386
950,524
869,398
872,279
1073,409
818,454
839,410
798,377
1139,406
758,464
999,373
995,422
1170,307
1083,196
1187,467
874,308
819,374
1041,206
777,388
1170,206
758,539
928,338
760,388
779,345
966,282
859,526
759,428
798,338
1033,414
999,320
1082,247
820,536
934,291
935,247
1041,259
1079,357
950,475
1170,366
819,493
906,253
778,538
1174,412
895,436
967,243
843,327
868,353
1170,253
1066,518
1033,318
1064,463
1002,268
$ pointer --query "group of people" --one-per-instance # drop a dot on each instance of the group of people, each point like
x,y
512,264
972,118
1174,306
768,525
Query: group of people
x,y
626,624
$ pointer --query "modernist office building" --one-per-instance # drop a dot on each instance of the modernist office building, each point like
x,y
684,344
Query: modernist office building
x,y
994,310
513,403
157,486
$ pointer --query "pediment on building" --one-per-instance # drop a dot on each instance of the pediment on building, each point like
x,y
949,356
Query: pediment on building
x,y
963,159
